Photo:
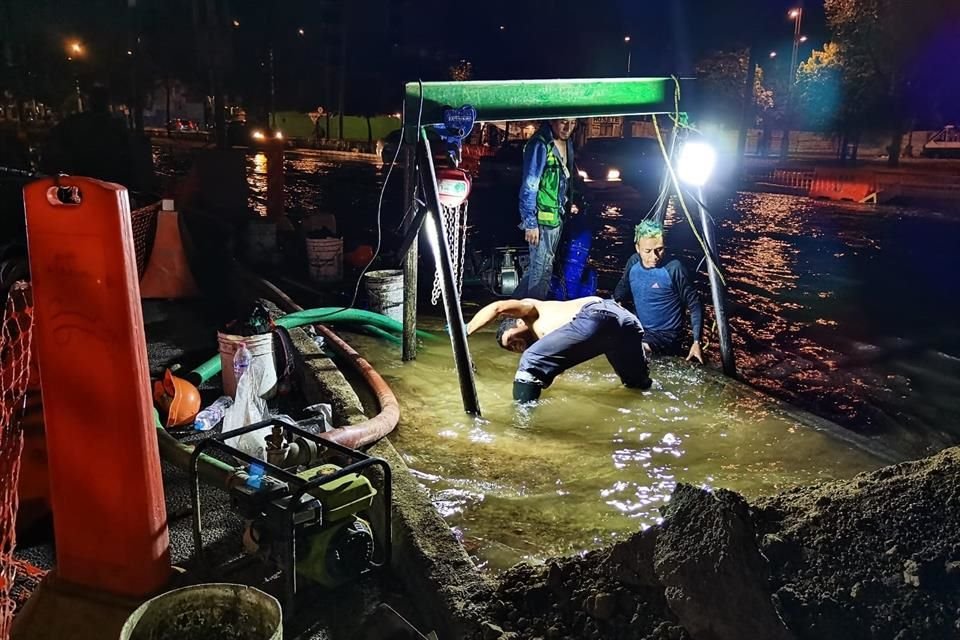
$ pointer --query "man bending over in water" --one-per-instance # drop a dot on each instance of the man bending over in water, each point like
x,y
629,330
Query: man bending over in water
x,y
556,336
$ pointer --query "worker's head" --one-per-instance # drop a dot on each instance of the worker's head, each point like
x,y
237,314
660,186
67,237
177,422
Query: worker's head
x,y
648,239
563,128
514,335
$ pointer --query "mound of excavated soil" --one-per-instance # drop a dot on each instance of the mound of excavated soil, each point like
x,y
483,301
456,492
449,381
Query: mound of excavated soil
x,y
876,557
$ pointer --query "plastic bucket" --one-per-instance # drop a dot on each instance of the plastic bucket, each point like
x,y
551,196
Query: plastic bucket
x,y
262,242
385,292
260,347
325,257
216,611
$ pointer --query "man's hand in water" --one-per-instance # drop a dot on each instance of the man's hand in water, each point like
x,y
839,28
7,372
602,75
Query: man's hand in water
x,y
695,353
532,236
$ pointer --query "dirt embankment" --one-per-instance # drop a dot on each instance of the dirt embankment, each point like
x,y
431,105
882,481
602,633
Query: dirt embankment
x,y
876,557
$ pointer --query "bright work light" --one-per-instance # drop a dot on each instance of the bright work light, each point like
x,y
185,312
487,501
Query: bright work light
x,y
696,163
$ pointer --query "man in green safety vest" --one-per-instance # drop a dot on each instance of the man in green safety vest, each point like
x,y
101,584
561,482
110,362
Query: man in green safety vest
x,y
548,169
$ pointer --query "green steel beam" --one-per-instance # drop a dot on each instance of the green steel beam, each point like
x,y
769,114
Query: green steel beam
x,y
542,99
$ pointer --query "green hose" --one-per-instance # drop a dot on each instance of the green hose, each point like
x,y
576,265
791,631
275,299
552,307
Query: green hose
x,y
327,315
218,473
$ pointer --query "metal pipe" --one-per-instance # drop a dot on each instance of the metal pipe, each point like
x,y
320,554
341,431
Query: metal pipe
x,y
664,192
451,299
717,290
410,259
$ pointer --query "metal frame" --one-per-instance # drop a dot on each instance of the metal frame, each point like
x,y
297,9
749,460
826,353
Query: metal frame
x,y
425,104
289,487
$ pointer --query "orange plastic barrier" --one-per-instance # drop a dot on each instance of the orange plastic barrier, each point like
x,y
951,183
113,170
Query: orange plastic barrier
x,y
168,274
842,185
105,483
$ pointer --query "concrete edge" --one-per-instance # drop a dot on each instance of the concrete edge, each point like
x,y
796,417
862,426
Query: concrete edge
x,y
444,584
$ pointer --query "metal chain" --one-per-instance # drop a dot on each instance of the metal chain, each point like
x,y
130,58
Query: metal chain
x,y
453,218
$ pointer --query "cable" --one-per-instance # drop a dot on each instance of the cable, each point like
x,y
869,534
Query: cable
x,y
383,190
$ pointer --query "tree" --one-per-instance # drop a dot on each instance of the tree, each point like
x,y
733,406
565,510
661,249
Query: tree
x,y
820,84
878,39
723,76
462,71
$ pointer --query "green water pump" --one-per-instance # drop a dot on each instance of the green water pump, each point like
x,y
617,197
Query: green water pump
x,y
343,546
305,515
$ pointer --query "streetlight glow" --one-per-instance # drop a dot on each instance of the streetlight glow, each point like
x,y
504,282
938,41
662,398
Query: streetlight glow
x,y
236,23
76,47
773,54
794,13
696,163
503,27
626,38
300,31
803,38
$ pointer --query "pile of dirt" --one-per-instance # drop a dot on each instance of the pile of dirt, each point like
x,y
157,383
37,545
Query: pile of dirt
x,y
876,557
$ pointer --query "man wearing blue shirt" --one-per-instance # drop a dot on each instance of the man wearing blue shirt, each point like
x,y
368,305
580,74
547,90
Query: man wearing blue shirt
x,y
660,294
548,168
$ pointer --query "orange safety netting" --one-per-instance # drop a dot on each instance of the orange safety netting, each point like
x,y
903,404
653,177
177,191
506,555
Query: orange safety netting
x,y
15,335
144,222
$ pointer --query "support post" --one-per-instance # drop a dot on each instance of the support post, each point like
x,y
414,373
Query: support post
x,y
410,259
451,298
717,290
275,180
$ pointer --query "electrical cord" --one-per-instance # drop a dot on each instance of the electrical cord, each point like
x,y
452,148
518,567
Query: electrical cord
x,y
383,190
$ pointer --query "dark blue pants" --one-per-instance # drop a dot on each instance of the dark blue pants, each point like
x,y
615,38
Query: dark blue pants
x,y
601,327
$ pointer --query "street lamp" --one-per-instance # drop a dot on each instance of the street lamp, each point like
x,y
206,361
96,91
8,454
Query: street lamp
x,y
773,54
626,41
797,16
75,50
300,31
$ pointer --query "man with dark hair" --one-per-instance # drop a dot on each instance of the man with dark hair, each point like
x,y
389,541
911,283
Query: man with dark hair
x,y
660,294
554,336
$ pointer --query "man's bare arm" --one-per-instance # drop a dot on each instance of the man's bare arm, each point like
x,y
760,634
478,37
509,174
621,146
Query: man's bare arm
x,y
525,309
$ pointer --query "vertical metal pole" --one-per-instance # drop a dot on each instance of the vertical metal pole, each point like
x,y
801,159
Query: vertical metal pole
x,y
451,299
661,212
717,290
410,260
275,180
273,94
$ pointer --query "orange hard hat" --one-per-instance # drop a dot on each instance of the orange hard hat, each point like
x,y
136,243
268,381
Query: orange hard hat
x,y
178,398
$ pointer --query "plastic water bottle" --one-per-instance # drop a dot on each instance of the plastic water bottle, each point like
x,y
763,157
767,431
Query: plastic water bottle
x,y
241,360
212,415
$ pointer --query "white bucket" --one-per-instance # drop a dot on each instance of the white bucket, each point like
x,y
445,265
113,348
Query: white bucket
x,y
260,347
325,257
262,242
385,291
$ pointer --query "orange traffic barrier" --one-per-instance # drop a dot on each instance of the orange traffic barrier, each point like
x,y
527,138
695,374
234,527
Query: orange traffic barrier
x,y
168,273
105,484
842,185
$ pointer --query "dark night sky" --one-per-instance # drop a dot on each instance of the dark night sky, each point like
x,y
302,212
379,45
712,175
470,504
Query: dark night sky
x,y
541,38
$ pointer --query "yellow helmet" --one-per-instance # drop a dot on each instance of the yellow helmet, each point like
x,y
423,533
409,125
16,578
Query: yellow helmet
x,y
179,399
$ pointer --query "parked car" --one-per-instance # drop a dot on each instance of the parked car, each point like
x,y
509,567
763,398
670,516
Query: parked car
x,y
242,133
637,162
944,144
